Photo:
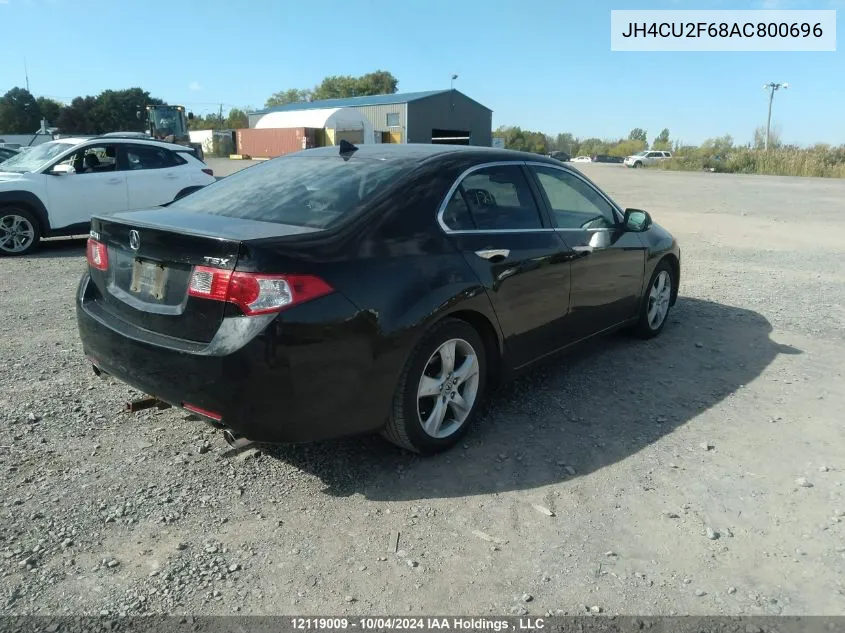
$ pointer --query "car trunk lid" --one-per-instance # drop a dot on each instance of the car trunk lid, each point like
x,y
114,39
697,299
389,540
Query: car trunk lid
x,y
151,256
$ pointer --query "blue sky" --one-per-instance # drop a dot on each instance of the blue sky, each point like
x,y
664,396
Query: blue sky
x,y
540,64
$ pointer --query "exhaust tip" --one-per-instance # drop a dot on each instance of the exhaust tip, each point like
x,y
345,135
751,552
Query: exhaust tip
x,y
236,441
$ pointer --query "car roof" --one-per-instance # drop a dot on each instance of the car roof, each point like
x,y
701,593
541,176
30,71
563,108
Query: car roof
x,y
148,141
121,132
115,139
424,151
70,140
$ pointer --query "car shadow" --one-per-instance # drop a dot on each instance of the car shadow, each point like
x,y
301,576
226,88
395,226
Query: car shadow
x,y
60,247
571,416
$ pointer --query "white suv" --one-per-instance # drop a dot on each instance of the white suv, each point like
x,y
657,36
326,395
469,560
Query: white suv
x,y
647,157
55,188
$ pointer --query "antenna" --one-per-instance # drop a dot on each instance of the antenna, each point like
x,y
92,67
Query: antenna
x,y
347,149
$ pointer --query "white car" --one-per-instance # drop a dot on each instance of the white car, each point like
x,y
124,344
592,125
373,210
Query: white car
x,y
55,188
581,159
647,157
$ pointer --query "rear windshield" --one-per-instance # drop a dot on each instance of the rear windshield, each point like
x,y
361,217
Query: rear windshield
x,y
313,191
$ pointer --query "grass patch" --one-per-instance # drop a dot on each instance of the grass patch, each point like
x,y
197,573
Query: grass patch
x,y
822,162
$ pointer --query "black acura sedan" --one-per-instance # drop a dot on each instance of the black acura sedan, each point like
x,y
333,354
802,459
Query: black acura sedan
x,y
381,288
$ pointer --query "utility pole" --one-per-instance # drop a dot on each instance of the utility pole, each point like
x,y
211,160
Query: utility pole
x,y
772,87
26,73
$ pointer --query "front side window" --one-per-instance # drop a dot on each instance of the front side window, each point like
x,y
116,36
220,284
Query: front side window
x,y
93,159
574,203
493,199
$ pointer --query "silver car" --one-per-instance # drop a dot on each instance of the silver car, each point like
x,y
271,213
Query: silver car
x,y
647,157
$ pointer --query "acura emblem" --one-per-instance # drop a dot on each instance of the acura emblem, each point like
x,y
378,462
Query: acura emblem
x,y
134,240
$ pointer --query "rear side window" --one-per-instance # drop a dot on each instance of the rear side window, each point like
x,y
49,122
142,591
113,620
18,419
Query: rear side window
x,y
312,191
149,157
493,199
457,215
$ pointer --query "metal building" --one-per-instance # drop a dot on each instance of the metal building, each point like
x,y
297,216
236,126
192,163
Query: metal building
x,y
436,116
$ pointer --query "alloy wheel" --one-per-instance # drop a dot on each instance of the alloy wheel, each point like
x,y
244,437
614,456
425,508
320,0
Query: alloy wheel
x,y
16,233
448,388
658,299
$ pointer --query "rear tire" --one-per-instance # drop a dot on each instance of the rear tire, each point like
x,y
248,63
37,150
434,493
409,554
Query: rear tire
x,y
656,303
20,232
440,389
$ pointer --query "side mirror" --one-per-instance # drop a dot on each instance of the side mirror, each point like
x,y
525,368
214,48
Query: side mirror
x,y
637,220
61,170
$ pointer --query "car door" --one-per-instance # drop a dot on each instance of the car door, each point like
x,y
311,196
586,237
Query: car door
x,y
153,175
608,262
92,184
493,216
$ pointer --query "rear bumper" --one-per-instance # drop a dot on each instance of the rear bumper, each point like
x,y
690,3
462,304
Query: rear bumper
x,y
277,379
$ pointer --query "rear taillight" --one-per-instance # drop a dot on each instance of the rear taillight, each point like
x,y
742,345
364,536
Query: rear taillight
x,y
208,171
255,293
97,254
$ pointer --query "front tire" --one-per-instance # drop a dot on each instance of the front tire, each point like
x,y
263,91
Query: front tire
x,y
657,301
637,164
440,389
19,231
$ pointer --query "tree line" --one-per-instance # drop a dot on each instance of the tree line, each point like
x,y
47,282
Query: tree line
x,y
378,82
109,111
236,119
115,110
540,143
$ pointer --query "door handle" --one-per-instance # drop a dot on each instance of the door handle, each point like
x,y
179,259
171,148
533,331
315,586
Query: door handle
x,y
586,250
171,176
493,253
114,181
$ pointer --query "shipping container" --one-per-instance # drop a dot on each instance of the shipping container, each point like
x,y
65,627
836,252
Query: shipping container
x,y
273,142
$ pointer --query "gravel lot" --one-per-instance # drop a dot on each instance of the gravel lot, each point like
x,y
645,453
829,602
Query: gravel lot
x,y
699,473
